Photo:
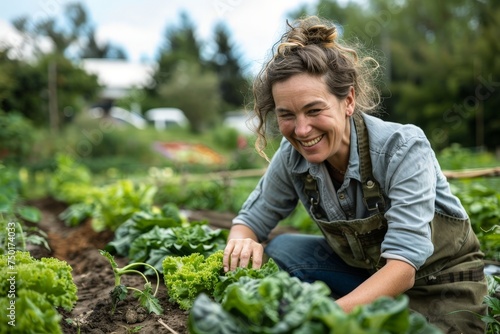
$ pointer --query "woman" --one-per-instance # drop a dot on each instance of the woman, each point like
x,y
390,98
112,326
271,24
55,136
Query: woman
x,y
375,189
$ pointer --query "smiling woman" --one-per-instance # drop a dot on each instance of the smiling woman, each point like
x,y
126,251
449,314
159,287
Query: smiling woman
x,y
390,222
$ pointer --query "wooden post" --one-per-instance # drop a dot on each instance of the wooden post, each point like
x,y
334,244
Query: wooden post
x,y
53,107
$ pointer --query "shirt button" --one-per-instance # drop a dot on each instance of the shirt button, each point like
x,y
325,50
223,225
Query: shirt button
x,y
341,196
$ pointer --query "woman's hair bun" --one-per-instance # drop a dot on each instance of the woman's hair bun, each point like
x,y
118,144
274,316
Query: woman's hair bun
x,y
310,31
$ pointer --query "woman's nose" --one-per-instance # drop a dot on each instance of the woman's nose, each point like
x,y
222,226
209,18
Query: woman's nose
x,y
302,126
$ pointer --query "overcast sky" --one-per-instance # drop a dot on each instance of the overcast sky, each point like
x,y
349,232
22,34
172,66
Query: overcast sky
x,y
139,26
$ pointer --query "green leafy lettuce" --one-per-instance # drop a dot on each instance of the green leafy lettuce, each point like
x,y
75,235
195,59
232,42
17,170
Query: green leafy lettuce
x,y
41,286
279,303
140,223
188,276
154,246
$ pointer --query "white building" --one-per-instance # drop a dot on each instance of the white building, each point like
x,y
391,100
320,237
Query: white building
x,y
119,77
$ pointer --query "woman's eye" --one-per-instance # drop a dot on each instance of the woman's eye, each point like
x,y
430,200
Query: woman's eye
x,y
285,115
314,111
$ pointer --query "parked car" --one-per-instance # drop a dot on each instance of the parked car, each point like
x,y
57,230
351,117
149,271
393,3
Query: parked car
x,y
167,117
122,115
240,121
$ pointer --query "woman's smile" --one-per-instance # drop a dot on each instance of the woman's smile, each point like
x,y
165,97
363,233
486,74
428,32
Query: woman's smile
x,y
312,142
312,119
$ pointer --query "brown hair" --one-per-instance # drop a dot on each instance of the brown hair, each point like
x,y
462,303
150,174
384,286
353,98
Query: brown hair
x,y
310,46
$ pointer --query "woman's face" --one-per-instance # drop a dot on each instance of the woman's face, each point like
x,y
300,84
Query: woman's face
x,y
312,119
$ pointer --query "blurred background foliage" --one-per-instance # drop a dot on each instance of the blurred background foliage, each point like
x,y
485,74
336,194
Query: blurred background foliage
x,y
440,71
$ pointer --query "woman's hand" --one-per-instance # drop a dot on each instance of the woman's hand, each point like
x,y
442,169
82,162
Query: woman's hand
x,y
242,248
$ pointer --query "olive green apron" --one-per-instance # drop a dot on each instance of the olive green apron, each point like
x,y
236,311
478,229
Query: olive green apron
x,y
451,283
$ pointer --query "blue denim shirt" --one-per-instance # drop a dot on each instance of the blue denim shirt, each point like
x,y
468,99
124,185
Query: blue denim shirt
x,y
403,163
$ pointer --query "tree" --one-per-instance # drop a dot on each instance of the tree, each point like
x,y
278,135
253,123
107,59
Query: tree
x,y
62,35
195,92
93,49
180,45
232,83
24,87
440,60
21,88
73,37
184,80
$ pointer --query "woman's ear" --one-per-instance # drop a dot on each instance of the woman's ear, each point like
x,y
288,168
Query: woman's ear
x,y
350,102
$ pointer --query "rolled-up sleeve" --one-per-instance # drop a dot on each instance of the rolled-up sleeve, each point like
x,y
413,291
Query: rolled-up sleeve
x,y
411,187
273,199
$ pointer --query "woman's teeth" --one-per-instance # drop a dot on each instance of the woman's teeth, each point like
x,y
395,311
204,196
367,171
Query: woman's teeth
x,y
311,142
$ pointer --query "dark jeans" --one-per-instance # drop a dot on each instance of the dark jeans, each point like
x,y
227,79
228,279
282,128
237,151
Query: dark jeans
x,y
310,259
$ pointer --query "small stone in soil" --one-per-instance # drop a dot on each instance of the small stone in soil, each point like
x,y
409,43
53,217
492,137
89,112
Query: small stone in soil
x,y
131,316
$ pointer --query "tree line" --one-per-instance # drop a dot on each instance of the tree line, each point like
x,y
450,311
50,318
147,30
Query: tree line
x,y
440,62
441,69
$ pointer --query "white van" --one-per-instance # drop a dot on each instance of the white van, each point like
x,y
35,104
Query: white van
x,y
167,117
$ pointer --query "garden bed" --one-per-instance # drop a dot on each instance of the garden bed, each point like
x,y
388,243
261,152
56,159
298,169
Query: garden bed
x,y
93,276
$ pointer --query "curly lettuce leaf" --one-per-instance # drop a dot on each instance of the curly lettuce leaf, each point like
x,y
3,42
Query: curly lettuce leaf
x,y
33,314
188,276
49,276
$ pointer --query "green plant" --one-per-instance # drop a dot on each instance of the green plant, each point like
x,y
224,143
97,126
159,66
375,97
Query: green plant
x,y
188,276
233,276
197,237
456,157
141,223
483,207
14,234
279,303
492,300
16,137
37,287
147,298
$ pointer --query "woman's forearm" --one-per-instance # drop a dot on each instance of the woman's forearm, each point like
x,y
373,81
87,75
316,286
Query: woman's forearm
x,y
392,280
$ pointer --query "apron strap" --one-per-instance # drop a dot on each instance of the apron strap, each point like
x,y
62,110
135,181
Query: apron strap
x,y
372,196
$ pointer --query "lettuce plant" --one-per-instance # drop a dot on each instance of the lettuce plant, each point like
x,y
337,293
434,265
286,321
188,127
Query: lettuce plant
x,y
188,276
34,289
279,303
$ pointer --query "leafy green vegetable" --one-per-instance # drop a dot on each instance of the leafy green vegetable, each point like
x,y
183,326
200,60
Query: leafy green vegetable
x,y
40,287
71,181
12,213
147,299
49,276
269,268
117,202
279,303
109,206
141,223
492,300
37,316
154,246
188,276
208,317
